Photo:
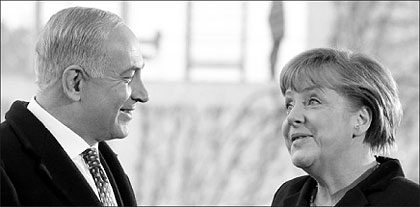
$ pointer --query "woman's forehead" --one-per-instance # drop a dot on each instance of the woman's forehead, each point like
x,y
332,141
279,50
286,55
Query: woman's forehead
x,y
306,77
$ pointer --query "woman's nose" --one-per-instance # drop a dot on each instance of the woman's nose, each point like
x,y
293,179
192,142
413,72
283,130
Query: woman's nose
x,y
296,116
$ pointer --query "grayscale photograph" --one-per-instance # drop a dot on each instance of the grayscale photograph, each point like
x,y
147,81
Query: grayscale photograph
x,y
209,103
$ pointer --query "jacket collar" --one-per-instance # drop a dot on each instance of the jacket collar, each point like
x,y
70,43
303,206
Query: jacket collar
x,y
377,180
357,196
302,197
36,140
388,169
119,180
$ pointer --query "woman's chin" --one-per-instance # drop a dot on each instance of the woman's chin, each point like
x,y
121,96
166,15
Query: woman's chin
x,y
302,160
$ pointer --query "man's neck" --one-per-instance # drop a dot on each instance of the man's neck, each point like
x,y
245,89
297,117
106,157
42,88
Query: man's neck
x,y
64,111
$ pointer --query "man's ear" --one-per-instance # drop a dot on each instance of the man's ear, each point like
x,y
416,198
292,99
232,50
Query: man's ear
x,y
363,121
72,81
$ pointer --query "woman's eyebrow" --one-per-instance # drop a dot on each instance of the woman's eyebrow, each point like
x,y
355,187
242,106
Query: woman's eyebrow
x,y
306,89
310,88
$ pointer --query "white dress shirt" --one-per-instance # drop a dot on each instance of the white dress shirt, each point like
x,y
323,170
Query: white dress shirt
x,y
72,143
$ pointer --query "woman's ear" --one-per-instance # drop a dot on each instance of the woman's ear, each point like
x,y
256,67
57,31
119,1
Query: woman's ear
x,y
363,121
72,81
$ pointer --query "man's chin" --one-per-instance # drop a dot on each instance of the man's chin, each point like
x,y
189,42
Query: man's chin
x,y
121,132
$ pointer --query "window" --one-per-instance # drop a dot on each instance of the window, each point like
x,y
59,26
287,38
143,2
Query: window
x,y
216,40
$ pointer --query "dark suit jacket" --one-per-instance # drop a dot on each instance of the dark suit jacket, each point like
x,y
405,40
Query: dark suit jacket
x,y
35,170
386,186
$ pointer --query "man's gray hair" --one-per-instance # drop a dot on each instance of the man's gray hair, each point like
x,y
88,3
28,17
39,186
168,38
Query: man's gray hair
x,y
73,36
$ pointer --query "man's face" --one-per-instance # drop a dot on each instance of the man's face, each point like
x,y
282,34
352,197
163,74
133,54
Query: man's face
x,y
109,102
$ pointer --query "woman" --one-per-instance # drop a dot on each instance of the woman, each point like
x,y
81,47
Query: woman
x,y
342,111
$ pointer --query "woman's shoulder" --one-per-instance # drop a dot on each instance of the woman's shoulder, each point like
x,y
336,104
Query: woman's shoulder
x,y
295,184
399,192
404,187
403,182
298,185
389,186
390,175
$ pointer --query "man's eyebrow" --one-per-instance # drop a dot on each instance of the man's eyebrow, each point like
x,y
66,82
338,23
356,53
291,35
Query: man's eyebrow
x,y
134,68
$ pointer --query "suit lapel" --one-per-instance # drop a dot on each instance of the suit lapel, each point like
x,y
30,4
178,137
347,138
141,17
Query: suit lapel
x,y
67,177
112,181
124,191
292,200
54,166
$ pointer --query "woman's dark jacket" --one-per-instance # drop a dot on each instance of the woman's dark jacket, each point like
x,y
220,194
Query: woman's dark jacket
x,y
386,186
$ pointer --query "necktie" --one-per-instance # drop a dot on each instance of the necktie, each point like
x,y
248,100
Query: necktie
x,y
91,157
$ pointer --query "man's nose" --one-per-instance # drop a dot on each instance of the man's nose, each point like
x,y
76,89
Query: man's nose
x,y
139,92
296,116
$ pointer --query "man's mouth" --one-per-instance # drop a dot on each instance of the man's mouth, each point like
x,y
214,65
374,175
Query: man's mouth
x,y
127,110
298,136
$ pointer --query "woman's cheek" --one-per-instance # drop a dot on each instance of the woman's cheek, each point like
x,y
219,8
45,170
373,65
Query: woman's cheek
x,y
285,132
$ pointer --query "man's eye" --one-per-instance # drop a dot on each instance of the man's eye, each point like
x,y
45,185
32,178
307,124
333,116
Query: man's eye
x,y
127,79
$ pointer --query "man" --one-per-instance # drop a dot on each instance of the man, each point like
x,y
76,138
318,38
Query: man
x,y
53,149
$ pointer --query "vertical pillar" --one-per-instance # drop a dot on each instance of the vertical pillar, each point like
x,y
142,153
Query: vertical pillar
x,y
244,24
125,11
188,42
38,12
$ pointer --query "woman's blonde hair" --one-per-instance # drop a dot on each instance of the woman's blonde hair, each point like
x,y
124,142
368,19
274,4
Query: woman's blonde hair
x,y
360,79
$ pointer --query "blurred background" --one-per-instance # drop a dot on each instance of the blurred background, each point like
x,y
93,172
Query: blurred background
x,y
210,134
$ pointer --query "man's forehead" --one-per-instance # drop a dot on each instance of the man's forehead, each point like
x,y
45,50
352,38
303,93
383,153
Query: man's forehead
x,y
122,38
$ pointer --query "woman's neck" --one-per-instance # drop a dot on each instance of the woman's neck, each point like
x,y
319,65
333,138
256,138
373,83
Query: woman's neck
x,y
341,177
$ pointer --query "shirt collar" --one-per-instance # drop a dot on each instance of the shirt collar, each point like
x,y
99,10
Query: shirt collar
x,y
72,143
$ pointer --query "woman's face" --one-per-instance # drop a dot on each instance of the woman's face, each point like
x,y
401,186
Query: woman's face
x,y
318,127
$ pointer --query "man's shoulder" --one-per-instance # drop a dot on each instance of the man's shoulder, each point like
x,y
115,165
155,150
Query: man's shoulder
x,y
8,137
4,126
17,111
13,130
10,148
7,130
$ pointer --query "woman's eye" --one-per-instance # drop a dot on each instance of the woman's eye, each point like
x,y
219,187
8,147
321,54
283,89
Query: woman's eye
x,y
313,101
289,107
